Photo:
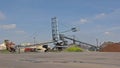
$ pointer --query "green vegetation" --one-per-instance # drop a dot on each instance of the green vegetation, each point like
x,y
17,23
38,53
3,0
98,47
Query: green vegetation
x,y
4,51
74,48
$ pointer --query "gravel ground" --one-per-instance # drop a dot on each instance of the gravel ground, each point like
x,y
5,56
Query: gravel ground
x,y
61,60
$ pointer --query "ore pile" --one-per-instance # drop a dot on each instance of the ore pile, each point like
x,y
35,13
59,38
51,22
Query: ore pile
x,y
113,47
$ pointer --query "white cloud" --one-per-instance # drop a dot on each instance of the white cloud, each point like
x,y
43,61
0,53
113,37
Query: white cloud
x,y
105,26
92,19
103,17
20,32
8,26
2,16
107,33
111,31
114,28
100,15
83,21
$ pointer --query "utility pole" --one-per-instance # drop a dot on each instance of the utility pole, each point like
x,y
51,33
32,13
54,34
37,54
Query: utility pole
x,y
34,40
74,39
97,43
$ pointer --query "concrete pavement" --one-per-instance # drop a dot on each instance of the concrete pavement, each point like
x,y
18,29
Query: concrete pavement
x,y
61,60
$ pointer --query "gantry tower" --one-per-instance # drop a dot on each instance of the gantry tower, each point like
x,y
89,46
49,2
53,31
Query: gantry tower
x,y
55,33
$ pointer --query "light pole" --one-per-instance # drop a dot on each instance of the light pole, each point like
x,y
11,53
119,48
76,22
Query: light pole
x,y
97,42
34,40
74,39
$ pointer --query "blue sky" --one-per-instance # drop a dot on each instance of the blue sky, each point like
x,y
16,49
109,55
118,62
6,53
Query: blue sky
x,y
21,20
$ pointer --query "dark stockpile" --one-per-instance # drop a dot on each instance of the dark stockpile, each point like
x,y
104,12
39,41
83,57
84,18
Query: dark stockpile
x,y
110,47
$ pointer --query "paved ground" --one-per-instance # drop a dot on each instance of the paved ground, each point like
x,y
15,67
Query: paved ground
x,y
61,60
